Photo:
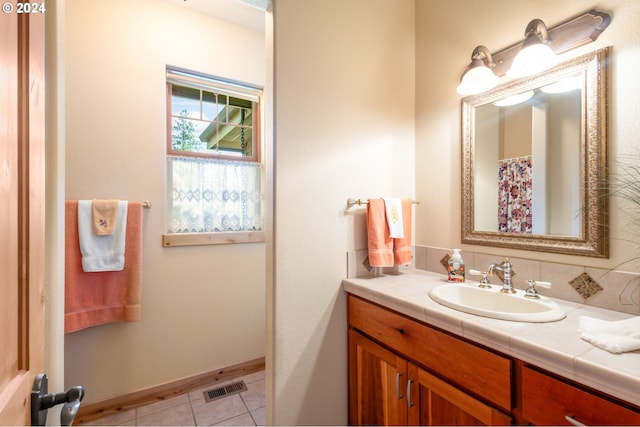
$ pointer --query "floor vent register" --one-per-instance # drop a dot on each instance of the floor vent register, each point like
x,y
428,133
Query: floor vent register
x,y
224,391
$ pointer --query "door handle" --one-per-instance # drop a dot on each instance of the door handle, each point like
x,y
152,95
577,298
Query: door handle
x,y
41,401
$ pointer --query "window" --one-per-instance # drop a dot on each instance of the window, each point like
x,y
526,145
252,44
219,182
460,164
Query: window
x,y
214,172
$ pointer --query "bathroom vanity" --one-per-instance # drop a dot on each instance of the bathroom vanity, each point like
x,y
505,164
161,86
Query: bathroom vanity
x,y
414,361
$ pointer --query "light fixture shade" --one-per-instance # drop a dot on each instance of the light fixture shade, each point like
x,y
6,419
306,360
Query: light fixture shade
x,y
477,80
531,60
536,55
478,77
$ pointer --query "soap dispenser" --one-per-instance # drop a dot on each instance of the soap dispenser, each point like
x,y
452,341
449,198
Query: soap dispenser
x,y
455,268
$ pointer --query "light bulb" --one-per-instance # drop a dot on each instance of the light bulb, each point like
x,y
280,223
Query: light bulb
x,y
531,60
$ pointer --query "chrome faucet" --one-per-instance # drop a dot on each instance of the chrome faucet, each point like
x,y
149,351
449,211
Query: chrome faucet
x,y
505,267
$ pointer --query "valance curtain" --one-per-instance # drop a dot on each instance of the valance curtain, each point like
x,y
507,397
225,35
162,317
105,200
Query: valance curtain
x,y
209,195
514,195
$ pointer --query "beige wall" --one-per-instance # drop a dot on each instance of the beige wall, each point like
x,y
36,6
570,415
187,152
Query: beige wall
x,y
446,33
203,308
54,207
344,108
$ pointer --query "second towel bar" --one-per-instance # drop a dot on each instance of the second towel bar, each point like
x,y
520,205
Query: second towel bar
x,y
352,202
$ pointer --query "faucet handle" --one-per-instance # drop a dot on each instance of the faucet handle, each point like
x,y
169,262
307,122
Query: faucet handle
x,y
484,283
531,291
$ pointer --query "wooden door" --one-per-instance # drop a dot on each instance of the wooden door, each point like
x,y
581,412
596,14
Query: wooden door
x,y
377,384
434,402
21,211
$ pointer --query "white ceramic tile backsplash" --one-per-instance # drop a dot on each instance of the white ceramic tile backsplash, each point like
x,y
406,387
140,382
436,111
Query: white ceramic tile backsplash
x,y
621,290
560,275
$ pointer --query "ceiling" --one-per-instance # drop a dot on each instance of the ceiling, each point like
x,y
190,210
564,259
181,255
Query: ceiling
x,y
237,12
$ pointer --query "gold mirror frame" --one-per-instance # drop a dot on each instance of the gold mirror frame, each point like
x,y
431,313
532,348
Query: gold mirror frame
x,y
594,237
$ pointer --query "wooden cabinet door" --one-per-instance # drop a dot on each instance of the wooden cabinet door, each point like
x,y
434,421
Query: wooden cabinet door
x,y
479,371
21,211
549,401
433,402
377,384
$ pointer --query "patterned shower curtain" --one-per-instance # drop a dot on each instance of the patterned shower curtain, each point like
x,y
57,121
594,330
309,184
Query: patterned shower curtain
x,y
514,195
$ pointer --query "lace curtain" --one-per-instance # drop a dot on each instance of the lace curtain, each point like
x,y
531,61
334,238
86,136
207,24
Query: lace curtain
x,y
514,195
206,195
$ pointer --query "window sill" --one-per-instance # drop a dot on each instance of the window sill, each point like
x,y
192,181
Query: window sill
x,y
221,238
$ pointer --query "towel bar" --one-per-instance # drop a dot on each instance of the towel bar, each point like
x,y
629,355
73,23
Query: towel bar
x,y
352,202
146,204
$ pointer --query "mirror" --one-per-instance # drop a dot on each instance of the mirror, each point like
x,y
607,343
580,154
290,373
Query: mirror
x,y
533,168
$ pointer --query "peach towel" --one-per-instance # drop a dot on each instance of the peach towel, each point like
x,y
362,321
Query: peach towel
x,y
93,299
378,236
384,250
104,213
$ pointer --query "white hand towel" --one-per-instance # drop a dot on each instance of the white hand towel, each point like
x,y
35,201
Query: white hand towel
x,y
614,336
101,253
393,208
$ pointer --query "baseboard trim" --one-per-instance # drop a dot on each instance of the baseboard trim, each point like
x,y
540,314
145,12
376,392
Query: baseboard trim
x,y
94,410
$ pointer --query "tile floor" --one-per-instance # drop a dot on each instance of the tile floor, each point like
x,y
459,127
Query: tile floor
x,y
191,409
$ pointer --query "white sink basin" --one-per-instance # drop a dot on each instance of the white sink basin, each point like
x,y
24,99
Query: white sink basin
x,y
492,303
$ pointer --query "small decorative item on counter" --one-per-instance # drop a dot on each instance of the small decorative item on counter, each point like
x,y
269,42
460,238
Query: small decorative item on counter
x,y
455,269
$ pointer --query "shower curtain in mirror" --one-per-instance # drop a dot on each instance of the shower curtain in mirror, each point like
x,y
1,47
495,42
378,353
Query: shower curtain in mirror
x,y
206,195
514,195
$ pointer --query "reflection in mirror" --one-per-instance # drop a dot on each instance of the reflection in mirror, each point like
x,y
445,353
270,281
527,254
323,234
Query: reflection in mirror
x,y
534,155
524,143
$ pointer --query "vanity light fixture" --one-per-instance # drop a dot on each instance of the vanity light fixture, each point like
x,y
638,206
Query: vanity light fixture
x,y
562,38
478,76
536,55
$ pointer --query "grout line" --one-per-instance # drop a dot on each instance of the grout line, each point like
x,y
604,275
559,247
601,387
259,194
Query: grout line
x,y
253,419
193,413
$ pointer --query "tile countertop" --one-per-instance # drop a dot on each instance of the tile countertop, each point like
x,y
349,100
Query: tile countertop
x,y
554,346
